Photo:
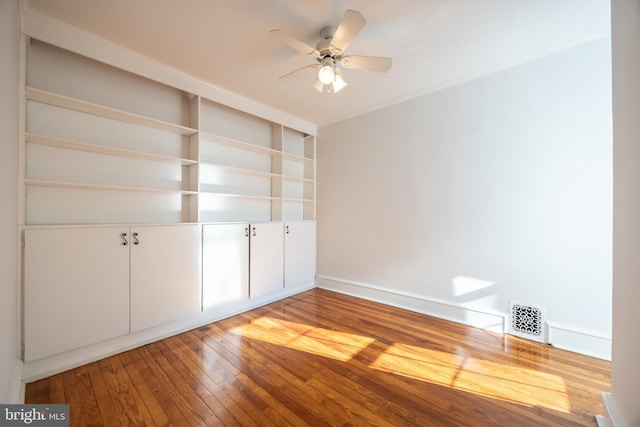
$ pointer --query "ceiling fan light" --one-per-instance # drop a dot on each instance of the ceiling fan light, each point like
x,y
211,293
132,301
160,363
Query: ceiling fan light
x,y
326,74
318,85
338,84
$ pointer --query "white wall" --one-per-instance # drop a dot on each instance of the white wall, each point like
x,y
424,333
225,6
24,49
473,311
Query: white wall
x,y
625,374
495,189
9,339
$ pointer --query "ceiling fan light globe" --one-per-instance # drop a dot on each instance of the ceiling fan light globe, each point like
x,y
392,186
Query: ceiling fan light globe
x,y
326,75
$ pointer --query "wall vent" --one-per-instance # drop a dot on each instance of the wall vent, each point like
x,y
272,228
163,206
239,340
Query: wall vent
x,y
527,321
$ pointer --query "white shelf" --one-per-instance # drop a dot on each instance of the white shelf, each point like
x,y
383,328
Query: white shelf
x,y
92,148
82,186
296,158
239,196
243,171
102,111
291,178
296,200
209,137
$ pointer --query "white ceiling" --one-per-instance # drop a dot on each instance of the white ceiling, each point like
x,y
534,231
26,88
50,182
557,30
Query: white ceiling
x,y
433,43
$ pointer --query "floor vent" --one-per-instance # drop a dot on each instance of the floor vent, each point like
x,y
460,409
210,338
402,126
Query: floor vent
x,y
527,321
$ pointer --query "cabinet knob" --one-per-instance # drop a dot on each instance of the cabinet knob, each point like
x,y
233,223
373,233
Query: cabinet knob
x,y
286,229
254,231
246,231
135,239
125,242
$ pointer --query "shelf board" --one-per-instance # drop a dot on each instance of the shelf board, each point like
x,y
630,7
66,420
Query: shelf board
x,y
58,100
296,158
210,137
92,148
233,169
238,196
296,179
83,186
296,200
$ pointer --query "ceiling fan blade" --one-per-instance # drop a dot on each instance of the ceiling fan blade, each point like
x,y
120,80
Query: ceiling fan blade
x,y
370,63
351,24
299,72
293,43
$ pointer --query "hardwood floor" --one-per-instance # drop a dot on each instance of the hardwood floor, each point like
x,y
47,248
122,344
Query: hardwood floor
x,y
325,359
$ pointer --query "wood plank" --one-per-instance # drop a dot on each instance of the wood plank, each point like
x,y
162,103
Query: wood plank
x,y
195,411
108,413
56,390
191,369
319,359
128,405
156,409
72,394
30,390
41,392
88,403
167,406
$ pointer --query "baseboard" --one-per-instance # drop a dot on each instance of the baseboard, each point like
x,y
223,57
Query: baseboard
x,y
448,310
570,338
42,368
579,340
611,416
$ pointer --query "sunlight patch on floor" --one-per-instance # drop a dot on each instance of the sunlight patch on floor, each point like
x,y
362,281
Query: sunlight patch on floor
x,y
513,383
481,377
323,342
477,376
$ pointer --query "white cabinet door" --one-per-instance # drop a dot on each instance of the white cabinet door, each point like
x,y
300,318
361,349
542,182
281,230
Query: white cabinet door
x,y
266,258
76,288
225,264
299,252
165,274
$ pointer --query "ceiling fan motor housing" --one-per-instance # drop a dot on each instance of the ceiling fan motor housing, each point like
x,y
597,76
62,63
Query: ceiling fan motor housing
x,y
324,45
328,32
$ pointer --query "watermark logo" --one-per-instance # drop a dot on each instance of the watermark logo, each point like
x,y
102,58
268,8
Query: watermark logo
x,y
34,415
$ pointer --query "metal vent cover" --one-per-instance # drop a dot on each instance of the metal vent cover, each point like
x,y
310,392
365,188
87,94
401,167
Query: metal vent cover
x,y
527,321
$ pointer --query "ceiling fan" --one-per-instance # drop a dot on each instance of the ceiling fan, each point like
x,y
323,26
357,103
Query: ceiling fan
x,y
329,53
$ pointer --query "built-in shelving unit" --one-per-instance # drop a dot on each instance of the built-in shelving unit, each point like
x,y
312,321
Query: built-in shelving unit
x,y
106,146
182,205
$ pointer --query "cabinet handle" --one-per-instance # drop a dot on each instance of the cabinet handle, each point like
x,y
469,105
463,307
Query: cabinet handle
x,y
254,231
124,239
135,239
246,231
287,229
